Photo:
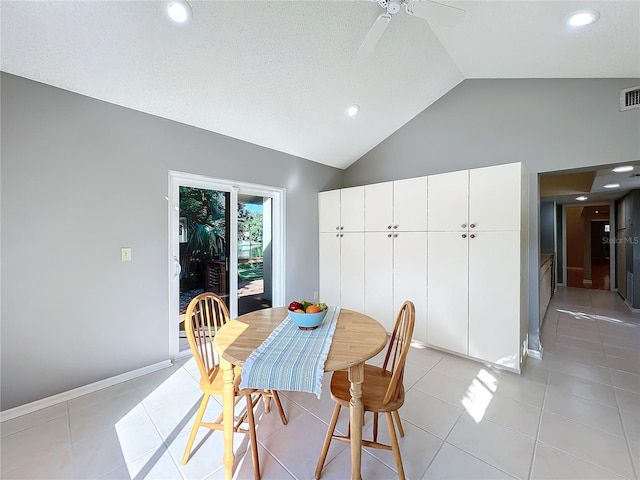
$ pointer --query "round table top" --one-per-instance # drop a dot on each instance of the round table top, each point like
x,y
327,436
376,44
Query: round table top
x,y
357,337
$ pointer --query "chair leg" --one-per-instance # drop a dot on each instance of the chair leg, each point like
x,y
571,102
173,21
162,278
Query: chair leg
x,y
375,426
194,429
396,415
276,399
253,438
267,400
327,440
394,445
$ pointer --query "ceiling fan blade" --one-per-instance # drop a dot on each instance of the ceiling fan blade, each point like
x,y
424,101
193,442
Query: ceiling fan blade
x,y
437,12
375,33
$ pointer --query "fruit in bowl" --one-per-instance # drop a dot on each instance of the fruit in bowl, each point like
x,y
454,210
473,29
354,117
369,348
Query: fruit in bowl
x,y
306,315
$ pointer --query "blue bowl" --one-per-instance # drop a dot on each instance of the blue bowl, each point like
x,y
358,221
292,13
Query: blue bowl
x,y
307,320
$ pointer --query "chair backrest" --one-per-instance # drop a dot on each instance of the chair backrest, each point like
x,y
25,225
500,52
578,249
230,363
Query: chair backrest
x,y
398,349
205,314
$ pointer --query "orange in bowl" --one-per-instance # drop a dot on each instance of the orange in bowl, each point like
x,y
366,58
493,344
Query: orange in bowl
x,y
312,309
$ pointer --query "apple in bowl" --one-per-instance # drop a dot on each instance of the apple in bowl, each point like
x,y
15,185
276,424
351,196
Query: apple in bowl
x,y
306,315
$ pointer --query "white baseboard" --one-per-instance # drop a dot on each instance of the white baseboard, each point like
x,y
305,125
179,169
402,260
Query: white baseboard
x,y
535,353
78,392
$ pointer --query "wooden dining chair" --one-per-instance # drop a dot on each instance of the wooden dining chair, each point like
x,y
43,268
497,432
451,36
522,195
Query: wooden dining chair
x,y
382,391
206,314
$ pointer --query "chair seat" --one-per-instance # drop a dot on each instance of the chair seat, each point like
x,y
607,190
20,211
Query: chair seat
x,y
374,388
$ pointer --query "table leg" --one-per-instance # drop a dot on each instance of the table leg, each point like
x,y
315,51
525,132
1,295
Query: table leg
x,y
227,416
356,417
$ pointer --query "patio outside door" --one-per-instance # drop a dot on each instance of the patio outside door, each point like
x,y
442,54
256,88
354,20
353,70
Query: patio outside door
x,y
227,238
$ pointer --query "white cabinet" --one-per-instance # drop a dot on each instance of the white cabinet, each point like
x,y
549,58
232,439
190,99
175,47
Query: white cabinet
x,y
395,271
400,205
341,271
448,201
410,277
454,244
494,298
341,210
448,280
476,299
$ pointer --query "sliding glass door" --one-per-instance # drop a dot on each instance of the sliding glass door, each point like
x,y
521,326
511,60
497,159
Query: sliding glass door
x,y
227,238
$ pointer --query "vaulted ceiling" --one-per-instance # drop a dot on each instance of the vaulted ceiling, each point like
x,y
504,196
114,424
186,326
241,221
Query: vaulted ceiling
x,y
280,74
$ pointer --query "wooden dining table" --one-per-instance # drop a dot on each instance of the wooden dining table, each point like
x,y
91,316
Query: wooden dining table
x,y
357,338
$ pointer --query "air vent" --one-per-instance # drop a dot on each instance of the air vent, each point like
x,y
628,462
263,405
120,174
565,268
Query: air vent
x,y
629,98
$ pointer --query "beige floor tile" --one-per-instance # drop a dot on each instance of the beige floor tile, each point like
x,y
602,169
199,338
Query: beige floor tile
x,y
631,365
552,464
16,450
631,424
592,346
625,380
510,413
52,465
417,448
157,464
501,447
628,400
270,468
593,373
444,387
589,444
429,413
103,395
588,412
29,420
583,388
298,445
451,463
339,467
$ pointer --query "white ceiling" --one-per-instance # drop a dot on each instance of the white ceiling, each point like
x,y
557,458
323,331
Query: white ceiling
x,y
280,74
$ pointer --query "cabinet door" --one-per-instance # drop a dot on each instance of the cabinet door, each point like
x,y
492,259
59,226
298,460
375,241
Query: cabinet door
x,y
494,297
329,211
410,204
378,274
410,277
329,268
378,207
352,271
448,201
495,197
448,290
352,209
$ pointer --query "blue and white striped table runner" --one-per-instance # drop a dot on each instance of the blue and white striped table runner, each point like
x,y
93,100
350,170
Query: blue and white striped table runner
x,y
291,358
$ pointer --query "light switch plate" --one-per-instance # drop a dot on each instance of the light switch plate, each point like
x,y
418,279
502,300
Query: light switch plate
x,y
125,254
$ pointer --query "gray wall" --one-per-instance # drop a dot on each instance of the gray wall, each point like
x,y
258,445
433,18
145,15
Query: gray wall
x,y
82,178
547,227
559,242
548,124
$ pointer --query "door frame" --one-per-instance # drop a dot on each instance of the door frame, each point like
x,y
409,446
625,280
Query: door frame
x,y
612,233
277,195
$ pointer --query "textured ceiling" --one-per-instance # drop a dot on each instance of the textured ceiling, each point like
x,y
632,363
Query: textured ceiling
x,y
280,74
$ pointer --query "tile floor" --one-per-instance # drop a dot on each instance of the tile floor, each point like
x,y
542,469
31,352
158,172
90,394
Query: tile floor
x,y
573,415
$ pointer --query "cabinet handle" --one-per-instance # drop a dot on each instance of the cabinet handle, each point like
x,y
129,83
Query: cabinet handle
x,y
464,225
337,234
395,226
473,225
341,227
395,235
389,235
337,228
473,235
342,235
464,235
388,227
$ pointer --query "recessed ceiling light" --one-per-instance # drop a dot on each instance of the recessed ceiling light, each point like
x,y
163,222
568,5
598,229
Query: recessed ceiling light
x,y
581,198
179,11
582,18
612,185
352,110
626,168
